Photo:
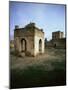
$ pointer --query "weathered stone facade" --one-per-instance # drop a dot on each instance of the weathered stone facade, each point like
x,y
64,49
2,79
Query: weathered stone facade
x,y
58,41
57,35
29,40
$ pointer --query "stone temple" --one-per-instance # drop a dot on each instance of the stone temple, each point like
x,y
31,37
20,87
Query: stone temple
x,y
29,40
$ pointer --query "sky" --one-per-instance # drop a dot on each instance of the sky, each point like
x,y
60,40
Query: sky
x,y
49,17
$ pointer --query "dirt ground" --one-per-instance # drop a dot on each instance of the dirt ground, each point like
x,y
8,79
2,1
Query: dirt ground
x,y
48,69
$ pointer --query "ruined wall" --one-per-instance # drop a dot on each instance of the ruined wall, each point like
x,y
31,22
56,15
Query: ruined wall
x,y
57,43
49,44
60,43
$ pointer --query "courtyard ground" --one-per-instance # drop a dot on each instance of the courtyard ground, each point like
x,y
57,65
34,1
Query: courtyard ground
x,y
48,69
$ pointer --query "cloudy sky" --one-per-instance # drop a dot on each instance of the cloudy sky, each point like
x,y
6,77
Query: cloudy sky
x,y
50,17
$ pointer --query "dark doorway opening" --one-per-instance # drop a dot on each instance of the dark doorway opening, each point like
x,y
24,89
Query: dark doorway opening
x,y
40,46
23,45
54,45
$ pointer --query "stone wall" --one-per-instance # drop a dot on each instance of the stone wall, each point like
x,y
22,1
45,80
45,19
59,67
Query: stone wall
x,y
60,43
57,43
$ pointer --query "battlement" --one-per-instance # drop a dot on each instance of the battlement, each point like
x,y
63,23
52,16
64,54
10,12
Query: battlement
x,y
57,35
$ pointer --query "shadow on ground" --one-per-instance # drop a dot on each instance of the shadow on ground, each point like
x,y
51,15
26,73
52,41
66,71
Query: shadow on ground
x,y
37,77
50,72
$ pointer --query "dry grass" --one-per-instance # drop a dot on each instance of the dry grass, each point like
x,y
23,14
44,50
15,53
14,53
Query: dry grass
x,y
44,70
50,55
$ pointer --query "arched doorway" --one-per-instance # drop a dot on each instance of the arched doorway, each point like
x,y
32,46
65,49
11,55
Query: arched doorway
x,y
23,45
40,46
55,45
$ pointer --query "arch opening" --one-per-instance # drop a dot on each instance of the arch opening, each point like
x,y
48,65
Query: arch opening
x,y
55,45
23,45
40,46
